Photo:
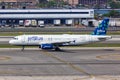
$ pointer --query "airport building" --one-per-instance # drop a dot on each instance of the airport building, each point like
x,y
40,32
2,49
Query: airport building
x,y
94,3
11,4
41,17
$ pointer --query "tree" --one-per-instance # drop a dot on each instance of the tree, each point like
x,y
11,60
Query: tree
x,y
47,4
52,3
112,13
114,5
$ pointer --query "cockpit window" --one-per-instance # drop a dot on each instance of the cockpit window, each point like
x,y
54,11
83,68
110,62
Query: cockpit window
x,y
15,38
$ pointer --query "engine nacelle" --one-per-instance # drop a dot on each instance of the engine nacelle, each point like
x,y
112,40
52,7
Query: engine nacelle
x,y
47,46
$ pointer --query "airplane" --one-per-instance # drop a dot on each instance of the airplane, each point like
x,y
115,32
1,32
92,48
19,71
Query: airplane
x,y
56,41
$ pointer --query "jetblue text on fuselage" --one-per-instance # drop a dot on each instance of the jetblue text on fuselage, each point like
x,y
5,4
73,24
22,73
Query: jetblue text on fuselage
x,y
35,38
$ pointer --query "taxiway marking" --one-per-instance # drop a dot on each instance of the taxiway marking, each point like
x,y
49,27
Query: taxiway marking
x,y
69,64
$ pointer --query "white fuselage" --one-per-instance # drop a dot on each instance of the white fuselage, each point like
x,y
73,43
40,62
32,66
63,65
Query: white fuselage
x,y
65,38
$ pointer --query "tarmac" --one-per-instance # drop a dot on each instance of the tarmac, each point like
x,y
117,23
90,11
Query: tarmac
x,y
79,63
59,78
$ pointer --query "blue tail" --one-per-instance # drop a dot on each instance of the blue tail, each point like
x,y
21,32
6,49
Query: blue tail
x,y
102,28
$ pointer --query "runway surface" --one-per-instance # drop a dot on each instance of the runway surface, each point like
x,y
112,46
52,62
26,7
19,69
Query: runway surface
x,y
69,62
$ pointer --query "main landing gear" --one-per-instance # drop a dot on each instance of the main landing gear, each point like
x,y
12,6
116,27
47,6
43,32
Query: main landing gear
x,y
57,49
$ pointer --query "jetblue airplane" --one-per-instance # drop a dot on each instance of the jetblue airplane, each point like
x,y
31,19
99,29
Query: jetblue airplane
x,y
55,41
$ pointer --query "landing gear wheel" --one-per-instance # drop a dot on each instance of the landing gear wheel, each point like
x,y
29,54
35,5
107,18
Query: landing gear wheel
x,y
57,49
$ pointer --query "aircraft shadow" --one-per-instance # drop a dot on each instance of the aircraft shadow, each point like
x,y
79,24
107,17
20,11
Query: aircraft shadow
x,y
60,51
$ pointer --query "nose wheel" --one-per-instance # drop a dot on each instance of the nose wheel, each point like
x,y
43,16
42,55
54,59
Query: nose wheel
x,y
22,48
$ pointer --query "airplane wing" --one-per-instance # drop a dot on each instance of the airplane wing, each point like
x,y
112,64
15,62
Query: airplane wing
x,y
102,39
57,42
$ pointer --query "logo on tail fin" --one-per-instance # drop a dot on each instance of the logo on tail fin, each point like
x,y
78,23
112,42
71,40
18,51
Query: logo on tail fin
x,y
102,28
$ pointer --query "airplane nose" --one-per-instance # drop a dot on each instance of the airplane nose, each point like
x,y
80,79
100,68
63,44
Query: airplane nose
x,y
10,42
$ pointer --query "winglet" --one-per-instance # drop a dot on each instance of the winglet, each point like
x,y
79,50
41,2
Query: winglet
x,y
102,28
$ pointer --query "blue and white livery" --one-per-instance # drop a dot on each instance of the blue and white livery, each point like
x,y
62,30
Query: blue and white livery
x,y
102,28
55,41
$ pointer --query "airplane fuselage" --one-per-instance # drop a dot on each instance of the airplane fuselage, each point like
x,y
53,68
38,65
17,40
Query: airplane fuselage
x,y
68,39
54,41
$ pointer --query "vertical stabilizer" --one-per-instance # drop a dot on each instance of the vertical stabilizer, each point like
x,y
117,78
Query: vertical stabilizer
x,y
102,28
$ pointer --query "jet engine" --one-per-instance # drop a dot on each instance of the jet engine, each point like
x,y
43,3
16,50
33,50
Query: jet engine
x,y
46,46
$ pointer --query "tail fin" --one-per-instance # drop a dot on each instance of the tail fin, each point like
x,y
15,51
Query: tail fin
x,y
102,28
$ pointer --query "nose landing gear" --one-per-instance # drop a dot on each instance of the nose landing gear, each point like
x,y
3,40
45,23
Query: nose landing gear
x,y
22,48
